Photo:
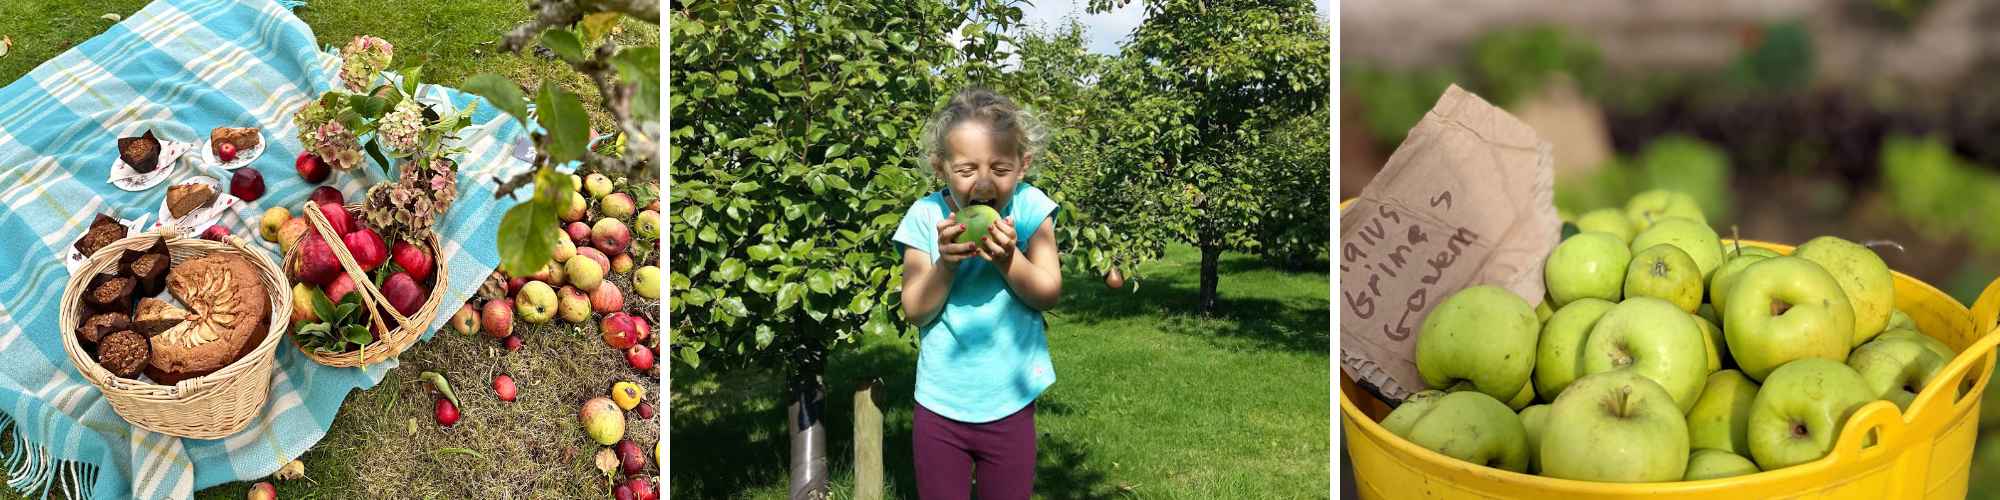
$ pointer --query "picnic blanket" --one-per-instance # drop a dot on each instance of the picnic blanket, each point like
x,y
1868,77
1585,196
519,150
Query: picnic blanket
x,y
180,68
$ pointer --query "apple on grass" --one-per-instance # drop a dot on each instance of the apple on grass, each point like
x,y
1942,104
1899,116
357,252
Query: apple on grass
x,y
466,320
1616,426
1646,208
1896,368
1799,412
496,318
536,303
1651,338
598,185
1725,277
1862,275
1783,309
1609,221
1588,265
1533,420
648,225
1559,352
611,236
575,209
607,299
1482,334
573,305
1469,426
646,282
617,205
584,274
1720,419
1706,463
1694,237
1665,272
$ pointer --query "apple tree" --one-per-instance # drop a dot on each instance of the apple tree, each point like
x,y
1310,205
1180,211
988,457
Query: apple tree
x,y
793,156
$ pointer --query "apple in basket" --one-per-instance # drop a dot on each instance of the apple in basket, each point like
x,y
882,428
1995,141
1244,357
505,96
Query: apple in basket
x,y
315,262
404,293
367,248
327,194
337,217
414,260
341,286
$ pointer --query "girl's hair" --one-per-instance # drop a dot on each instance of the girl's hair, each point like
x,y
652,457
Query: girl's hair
x,y
1014,129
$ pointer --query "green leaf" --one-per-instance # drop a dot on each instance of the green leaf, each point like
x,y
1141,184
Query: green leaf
x,y
595,26
763,252
358,335
730,270
375,151
322,307
764,336
820,281
789,296
527,237
564,43
561,114
691,356
835,151
503,93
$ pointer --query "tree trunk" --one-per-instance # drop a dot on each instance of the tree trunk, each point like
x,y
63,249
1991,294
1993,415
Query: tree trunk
x,y
803,422
1211,257
868,441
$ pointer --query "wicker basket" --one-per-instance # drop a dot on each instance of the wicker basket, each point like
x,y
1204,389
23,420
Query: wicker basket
x,y
206,407
402,331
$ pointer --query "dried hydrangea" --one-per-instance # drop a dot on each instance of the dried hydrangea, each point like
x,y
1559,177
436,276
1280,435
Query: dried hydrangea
x,y
410,206
337,146
308,121
362,59
401,128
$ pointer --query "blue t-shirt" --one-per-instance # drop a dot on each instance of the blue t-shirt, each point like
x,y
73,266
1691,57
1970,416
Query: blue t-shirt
x,y
985,356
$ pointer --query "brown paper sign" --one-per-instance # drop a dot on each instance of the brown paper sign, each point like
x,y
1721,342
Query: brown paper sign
x,y
1467,199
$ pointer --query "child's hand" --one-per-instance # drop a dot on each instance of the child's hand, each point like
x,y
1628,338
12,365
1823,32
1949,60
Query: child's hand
x,y
998,245
949,252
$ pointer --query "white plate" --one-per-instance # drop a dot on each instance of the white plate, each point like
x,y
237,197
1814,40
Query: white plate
x,y
197,221
242,157
124,177
75,259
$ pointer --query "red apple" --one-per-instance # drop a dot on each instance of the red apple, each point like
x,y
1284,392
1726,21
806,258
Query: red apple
x,y
367,247
311,169
336,216
246,183
514,284
262,491
611,236
341,286
404,293
496,318
225,152
315,262
413,259
579,233
607,299
603,263
641,357
621,330
503,386
447,414
513,343
642,488
215,233
328,194
630,458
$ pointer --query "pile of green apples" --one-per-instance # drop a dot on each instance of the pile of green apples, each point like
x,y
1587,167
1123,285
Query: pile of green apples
x,y
1662,354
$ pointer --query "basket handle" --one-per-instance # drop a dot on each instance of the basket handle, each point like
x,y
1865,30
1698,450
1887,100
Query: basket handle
x,y
1986,310
1879,416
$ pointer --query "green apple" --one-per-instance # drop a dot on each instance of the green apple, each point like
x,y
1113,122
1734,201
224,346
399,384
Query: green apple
x,y
1469,426
1707,311
1559,353
1711,337
1484,335
1543,311
535,303
1652,338
1799,411
1399,421
1615,426
1725,277
1896,368
1721,418
1870,289
1691,236
1736,248
1608,221
977,219
1533,420
1588,265
1524,398
1782,309
1646,208
1665,272
1705,463
1899,319
1932,343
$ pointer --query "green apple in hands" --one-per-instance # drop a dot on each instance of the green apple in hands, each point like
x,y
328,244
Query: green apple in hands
x,y
1896,368
1533,420
1705,463
1484,335
1615,426
1588,265
1725,277
1691,236
1609,221
1469,426
1870,288
1783,309
1559,353
1664,272
1720,419
1651,338
1798,413
1651,206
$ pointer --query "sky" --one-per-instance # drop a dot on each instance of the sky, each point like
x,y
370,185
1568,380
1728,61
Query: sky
x,y
1104,31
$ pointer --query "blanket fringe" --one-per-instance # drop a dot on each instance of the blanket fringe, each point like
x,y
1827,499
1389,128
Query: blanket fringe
x,y
31,470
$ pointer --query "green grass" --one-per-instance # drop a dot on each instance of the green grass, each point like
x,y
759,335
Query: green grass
x,y
385,443
1150,401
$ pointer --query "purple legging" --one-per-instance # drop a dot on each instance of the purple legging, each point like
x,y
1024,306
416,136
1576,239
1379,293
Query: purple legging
x,y
950,454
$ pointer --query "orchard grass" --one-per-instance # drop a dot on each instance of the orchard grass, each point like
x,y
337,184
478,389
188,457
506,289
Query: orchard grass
x,y
385,443
1151,401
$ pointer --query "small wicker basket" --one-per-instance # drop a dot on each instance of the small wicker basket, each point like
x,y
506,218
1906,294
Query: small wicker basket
x,y
403,331
206,407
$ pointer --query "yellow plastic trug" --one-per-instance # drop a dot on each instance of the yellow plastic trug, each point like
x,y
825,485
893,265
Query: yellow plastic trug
x,y
1926,453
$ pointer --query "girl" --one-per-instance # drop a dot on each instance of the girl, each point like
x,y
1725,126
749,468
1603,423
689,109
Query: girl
x,y
982,358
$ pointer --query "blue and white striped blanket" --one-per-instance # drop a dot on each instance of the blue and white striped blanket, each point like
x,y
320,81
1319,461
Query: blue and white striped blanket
x,y
179,67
